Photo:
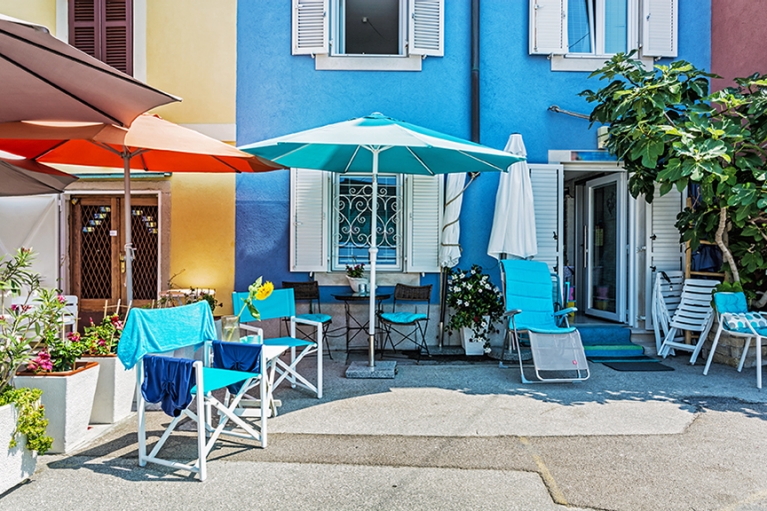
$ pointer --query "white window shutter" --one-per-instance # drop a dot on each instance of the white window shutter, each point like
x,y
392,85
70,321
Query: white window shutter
x,y
424,206
659,28
309,203
310,27
548,27
426,27
547,181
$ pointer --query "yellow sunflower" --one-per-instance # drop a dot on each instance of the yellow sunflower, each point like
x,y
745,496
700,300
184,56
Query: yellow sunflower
x,y
264,291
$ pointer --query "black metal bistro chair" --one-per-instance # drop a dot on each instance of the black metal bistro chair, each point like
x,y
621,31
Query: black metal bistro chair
x,y
406,320
309,291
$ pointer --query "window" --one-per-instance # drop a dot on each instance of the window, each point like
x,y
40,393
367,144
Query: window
x,y
330,221
352,201
103,29
369,27
580,35
368,34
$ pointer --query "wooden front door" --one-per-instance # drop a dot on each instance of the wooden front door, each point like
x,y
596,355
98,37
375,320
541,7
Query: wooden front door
x,y
97,250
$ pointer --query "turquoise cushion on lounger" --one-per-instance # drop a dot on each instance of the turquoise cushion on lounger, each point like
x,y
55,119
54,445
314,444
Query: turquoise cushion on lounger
x,y
319,318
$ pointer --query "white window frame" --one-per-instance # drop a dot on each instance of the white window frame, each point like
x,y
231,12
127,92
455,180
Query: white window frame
x,y
422,202
659,34
421,35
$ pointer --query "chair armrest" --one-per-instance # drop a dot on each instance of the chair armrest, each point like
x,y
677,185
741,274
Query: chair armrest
x,y
563,312
511,313
306,321
251,328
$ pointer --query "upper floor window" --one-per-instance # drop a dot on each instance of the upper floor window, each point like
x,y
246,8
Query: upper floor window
x,y
103,29
580,35
331,213
368,34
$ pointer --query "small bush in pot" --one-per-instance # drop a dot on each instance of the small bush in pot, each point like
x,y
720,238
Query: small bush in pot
x,y
473,300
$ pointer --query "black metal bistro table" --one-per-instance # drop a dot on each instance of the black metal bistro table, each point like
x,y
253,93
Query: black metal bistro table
x,y
354,327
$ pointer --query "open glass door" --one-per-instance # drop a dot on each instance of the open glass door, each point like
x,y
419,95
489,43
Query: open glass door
x,y
605,247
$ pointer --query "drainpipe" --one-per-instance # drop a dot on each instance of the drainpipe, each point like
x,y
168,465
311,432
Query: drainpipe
x,y
474,138
475,71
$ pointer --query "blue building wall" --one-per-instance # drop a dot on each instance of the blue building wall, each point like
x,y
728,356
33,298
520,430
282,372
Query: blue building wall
x,y
278,93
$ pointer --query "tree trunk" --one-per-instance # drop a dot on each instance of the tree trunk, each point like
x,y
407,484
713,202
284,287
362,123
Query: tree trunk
x,y
723,246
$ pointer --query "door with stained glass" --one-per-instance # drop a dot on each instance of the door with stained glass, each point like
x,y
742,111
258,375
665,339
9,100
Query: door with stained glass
x,y
97,251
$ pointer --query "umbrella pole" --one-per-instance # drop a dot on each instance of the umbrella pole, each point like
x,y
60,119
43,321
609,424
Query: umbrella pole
x,y
373,254
126,156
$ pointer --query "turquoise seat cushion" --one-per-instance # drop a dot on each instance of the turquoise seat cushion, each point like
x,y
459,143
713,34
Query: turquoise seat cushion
x,y
319,318
739,322
734,303
402,318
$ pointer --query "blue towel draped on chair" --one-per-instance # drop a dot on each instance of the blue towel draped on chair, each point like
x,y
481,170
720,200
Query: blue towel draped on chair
x,y
161,330
168,381
237,356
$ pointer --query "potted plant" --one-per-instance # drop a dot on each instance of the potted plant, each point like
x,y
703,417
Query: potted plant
x,y
22,416
68,385
354,274
476,307
115,386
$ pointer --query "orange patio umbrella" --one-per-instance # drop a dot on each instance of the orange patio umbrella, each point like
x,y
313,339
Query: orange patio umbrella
x,y
150,143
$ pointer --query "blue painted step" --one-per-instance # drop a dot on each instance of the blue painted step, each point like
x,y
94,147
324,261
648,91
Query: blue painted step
x,y
608,341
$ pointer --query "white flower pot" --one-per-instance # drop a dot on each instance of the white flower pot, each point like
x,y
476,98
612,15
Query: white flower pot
x,y
354,283
68,401
114,390
472,348
16,464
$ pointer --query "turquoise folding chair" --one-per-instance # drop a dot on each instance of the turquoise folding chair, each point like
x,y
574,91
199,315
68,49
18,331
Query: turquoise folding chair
x,y
281,305
178,382
736,320
557,351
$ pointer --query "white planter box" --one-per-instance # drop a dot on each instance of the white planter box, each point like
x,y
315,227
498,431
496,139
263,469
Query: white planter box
x,y
114,390
471,348
68,401
16,464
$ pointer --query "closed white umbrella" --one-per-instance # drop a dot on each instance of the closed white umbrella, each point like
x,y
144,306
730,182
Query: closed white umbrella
x,y
449,249
513,230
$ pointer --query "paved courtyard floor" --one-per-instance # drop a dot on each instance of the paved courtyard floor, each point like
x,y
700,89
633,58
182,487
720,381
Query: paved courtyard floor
x,y
454,436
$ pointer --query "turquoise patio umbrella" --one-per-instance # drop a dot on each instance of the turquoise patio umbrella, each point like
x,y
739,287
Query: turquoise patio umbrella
x,y
379,144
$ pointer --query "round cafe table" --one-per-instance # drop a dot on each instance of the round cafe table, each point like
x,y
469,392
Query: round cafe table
x,y
353,326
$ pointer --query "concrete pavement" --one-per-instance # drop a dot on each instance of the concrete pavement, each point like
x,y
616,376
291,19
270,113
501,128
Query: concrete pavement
x,y
456,436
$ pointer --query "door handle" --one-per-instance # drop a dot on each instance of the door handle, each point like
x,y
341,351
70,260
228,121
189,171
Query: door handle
x,y
585,246
654,237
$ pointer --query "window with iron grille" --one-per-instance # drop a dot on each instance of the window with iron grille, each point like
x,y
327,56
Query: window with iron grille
x,y
352,199
331,213
104,30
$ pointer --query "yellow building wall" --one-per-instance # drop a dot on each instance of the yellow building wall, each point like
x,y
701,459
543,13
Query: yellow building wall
x,y
191,52
202,234
42,12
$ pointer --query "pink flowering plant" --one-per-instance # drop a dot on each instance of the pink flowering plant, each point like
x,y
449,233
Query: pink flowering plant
x,y
101,339
474,300
355,271
57,353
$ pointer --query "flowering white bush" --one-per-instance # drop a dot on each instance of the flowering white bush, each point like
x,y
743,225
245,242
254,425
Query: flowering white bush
x,y
473,298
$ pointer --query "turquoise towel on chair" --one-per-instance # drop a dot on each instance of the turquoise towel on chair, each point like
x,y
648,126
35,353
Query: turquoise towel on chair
x,y
160,330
